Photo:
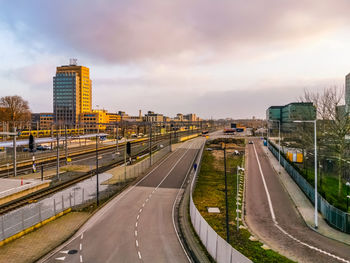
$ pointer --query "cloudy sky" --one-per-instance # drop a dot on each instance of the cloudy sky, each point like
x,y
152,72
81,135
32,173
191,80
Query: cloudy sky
x,y
227,58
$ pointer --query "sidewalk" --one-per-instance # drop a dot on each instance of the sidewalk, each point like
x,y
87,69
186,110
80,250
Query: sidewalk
x,y
302,203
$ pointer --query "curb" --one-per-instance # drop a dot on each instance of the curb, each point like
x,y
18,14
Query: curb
x,y
32,228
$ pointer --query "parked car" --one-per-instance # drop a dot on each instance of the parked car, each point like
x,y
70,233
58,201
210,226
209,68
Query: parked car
x,y
43,148
250,142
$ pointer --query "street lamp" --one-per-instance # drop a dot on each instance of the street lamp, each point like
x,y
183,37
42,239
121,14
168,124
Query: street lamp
x,y
347,196
315,138
279,143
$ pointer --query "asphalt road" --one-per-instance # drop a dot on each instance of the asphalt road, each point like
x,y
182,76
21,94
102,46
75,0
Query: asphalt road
x,y
136,226
286,233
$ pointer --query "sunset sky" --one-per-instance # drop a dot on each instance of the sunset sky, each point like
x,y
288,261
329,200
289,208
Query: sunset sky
x,y
215,58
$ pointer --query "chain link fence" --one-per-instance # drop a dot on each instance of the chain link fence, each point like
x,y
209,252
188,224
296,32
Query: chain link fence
x,y
334,216
216,246
82,193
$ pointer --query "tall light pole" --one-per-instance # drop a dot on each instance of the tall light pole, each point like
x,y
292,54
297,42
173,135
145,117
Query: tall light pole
x,y
279,143
315,139
97,183
226,199
347,196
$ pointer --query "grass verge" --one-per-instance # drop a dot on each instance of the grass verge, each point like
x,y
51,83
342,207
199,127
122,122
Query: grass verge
x,y
210,192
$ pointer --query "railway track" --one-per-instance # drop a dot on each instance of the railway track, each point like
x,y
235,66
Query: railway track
x,y
51,161
10,206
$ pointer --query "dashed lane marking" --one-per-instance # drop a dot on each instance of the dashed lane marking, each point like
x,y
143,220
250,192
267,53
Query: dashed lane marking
x,y
80,246
137,243
138,252
135,233
81,258
280,228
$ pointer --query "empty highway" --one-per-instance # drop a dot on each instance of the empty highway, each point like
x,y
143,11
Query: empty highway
x,y
271,214
137,225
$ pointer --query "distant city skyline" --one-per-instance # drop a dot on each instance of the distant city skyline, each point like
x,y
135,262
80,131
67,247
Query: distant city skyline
x,y
224,60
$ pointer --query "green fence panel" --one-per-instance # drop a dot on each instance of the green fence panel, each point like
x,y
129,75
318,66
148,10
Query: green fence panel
x,y
334,216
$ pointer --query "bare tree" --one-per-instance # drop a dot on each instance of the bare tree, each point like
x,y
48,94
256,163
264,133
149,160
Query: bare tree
x,y
333,125
14,109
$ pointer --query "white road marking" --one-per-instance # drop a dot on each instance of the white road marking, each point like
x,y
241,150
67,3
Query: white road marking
x,y
284,231
110,204
61,258
137,243
173,212
138,216
147,200
81,258
64,251
143,205
136,224
265,186
80,247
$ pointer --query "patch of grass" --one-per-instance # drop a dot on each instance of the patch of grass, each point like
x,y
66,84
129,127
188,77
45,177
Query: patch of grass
x,y
327,187
71,168
210,192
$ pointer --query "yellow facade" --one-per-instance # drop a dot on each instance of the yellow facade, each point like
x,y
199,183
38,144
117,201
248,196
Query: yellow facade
x,y
85,92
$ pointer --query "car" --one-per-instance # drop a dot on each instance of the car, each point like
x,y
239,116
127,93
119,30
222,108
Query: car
x,y
43,148
250,142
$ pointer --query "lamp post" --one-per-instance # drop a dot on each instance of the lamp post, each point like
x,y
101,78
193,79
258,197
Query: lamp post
x,y
315,139
226,199
97,183
347,196
279,144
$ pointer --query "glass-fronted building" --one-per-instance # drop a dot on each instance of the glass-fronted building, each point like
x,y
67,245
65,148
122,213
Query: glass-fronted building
x,y
66,102
288,113
71,93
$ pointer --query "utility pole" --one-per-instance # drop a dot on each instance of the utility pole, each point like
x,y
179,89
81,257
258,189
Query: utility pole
x,y
226,200
14,154
65,145
58,156
117,137
97,184
150,144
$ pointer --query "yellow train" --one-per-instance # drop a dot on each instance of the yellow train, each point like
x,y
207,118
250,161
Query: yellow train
x,y
47,133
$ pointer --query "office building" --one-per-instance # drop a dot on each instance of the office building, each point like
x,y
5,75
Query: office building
x,y
288,113
71,93
42,121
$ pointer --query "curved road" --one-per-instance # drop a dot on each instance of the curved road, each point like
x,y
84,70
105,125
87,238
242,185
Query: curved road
x,y
137,225
277,222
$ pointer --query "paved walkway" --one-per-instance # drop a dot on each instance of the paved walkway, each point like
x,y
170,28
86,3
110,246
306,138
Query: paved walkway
x,y
303,204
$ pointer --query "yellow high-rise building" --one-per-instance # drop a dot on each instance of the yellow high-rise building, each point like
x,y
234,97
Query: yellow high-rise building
x,y
72,93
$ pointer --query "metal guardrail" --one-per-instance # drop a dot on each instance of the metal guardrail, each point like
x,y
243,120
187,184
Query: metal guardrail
x,y
216,246
334,216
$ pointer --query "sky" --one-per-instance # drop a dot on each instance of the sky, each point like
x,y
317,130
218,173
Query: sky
x,y
218,59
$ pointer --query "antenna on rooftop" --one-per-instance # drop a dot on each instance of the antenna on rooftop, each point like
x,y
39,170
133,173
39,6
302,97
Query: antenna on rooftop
x,y
73,61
